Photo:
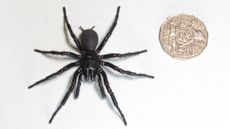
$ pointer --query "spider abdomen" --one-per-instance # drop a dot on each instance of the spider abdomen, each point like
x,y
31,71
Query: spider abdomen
x,y
89,39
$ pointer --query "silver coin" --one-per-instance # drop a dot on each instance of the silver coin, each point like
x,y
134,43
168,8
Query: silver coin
x,y
183,36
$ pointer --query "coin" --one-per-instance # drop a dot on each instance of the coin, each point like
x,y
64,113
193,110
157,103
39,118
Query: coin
x,y
183,36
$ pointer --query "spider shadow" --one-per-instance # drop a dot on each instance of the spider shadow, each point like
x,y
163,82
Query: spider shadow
x,y
97,89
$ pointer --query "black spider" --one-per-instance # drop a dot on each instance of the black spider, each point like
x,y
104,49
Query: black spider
x,y
89,63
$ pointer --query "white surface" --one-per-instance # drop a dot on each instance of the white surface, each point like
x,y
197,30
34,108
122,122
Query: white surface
x,y
192,94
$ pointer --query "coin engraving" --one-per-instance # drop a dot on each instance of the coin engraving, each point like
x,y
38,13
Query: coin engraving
x,y
183,36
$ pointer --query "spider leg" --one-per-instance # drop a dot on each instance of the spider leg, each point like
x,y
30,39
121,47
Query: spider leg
x,y
109,90
55,74
101,86
76,93
114,67
71,88
113,55
61,53
106,38
77,42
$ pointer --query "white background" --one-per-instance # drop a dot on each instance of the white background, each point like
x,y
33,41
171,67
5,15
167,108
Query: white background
x,y
192,94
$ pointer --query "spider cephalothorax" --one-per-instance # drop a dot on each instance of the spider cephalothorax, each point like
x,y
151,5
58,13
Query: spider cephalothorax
x,y
89,63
